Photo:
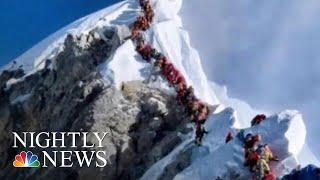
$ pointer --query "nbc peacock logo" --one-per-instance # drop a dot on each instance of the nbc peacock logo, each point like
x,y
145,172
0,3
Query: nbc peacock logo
x,y
26,159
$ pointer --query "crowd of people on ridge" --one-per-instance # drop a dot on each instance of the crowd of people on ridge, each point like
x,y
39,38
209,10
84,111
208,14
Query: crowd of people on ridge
x,y
257,156
197,110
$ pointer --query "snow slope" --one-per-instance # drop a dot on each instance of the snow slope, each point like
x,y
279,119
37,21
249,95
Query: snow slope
x,y
167,35
226,158
49,47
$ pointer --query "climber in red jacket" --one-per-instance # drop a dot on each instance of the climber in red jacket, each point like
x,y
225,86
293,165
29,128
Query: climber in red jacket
x,y
135,33
229,137
181,92
270,176
251,141
179,79
142,23
251,159
167,69
144,50
258,119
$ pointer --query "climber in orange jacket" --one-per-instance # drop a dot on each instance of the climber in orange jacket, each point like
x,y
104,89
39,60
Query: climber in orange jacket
x,y
258,119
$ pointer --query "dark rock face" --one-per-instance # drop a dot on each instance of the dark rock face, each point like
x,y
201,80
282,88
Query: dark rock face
x,y
181,162
69,95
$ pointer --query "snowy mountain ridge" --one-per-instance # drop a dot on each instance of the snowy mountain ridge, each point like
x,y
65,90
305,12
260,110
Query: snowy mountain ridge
x,y
168,36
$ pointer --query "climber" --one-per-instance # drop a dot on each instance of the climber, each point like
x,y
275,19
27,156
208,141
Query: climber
x,y
203,113
270,176
160,62
192,109
171,77
155,54
229,137
135,32
180,79
181,92
144,50
143,3
266,153
190,94
250,141
167,69
251,159
200,131
148,12
141,23
258,119
261,169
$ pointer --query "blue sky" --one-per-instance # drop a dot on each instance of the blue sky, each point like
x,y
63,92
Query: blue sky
x,y
24,23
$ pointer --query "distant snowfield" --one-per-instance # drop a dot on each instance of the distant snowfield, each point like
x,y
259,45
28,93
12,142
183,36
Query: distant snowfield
x,y
168,35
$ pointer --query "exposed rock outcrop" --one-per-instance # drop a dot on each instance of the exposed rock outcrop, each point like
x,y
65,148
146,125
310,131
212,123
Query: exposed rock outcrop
x,y
68,94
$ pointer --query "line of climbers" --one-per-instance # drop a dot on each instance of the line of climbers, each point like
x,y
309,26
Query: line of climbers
x,y
257,156
197,110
